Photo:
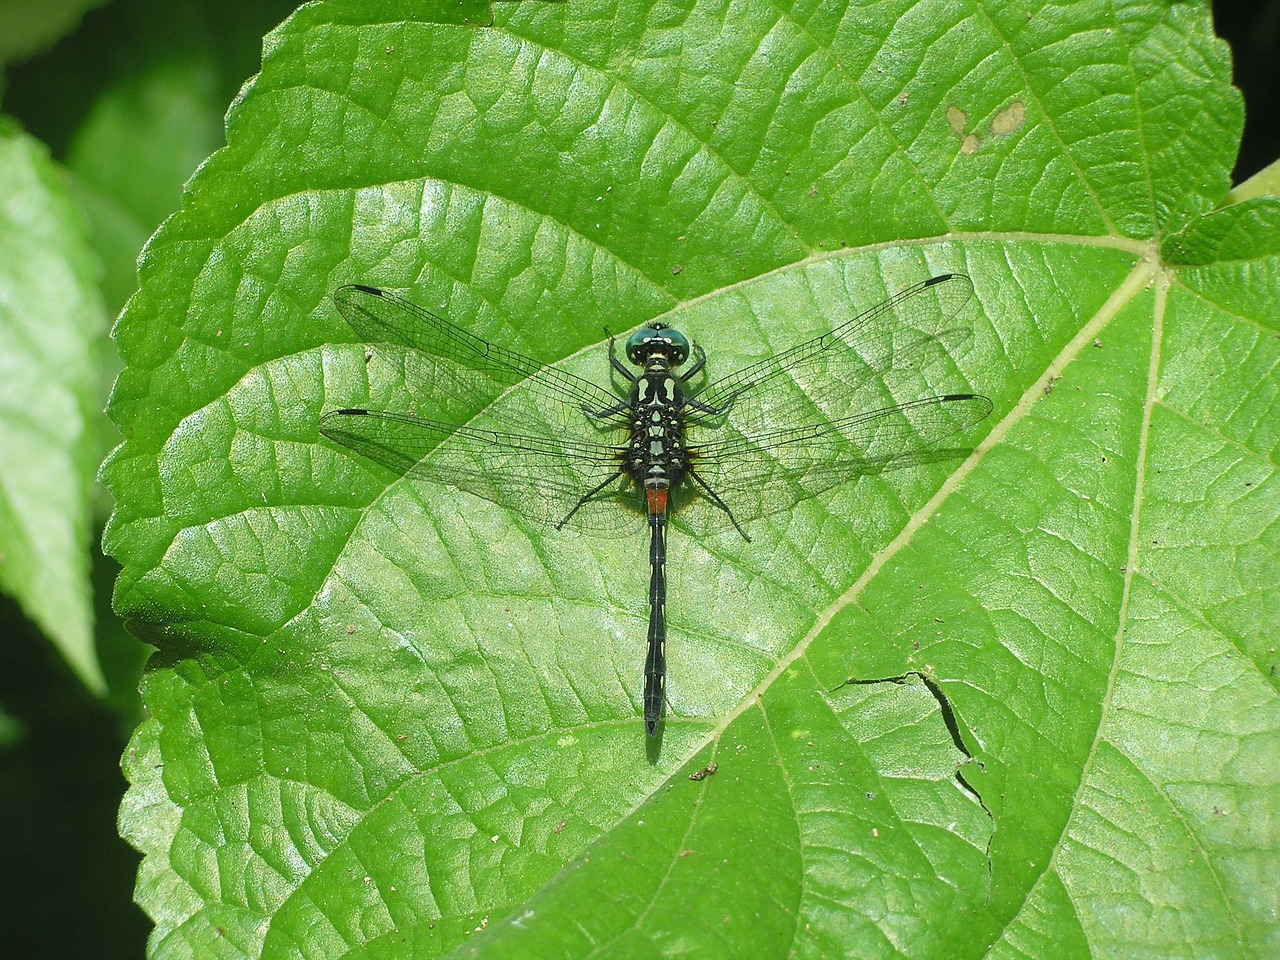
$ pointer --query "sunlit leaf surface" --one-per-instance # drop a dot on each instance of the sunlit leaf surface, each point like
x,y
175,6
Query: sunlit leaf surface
x,y
390,719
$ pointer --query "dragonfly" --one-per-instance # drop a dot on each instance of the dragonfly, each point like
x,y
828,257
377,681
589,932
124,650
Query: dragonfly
x,y
660,442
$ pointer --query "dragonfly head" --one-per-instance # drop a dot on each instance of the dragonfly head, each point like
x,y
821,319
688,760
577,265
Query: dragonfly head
x,y
657,339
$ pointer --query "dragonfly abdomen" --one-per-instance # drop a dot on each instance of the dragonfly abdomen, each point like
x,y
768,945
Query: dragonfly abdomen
x,y
655,661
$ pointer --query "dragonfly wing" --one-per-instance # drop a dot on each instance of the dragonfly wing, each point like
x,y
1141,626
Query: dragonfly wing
x,y
768,472
900,347
461,365
542,477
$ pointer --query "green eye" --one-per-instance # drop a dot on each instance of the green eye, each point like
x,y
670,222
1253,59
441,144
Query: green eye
x,y
654,339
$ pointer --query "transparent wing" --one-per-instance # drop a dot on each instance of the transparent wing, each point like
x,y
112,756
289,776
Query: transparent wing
x,y
856,366
769,472
465,372
530,450
538,476
831,409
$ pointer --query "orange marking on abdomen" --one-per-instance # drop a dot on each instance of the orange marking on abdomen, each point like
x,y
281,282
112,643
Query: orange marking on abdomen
x,y
657,500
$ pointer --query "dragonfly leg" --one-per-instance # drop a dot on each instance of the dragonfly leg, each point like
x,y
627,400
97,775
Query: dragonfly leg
x,y
621,405
704,407
715,498
618,364
617,408
586,498
697,366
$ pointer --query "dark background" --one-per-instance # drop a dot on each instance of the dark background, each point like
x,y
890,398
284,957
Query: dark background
x,y
66,878
1253,30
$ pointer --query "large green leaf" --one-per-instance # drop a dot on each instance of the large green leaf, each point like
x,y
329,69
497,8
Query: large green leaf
x,y
390,719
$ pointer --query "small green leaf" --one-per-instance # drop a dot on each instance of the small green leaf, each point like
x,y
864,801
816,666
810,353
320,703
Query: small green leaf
x,y
1017,702
51,334
28,25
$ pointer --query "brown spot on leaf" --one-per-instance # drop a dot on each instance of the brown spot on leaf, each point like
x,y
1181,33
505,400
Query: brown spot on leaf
x,y
1009,119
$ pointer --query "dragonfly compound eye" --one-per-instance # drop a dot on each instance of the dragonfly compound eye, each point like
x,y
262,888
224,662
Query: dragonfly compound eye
x,y
657,338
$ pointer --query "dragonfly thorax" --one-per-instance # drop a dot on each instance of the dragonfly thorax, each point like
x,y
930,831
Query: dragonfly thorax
x,y
656,456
